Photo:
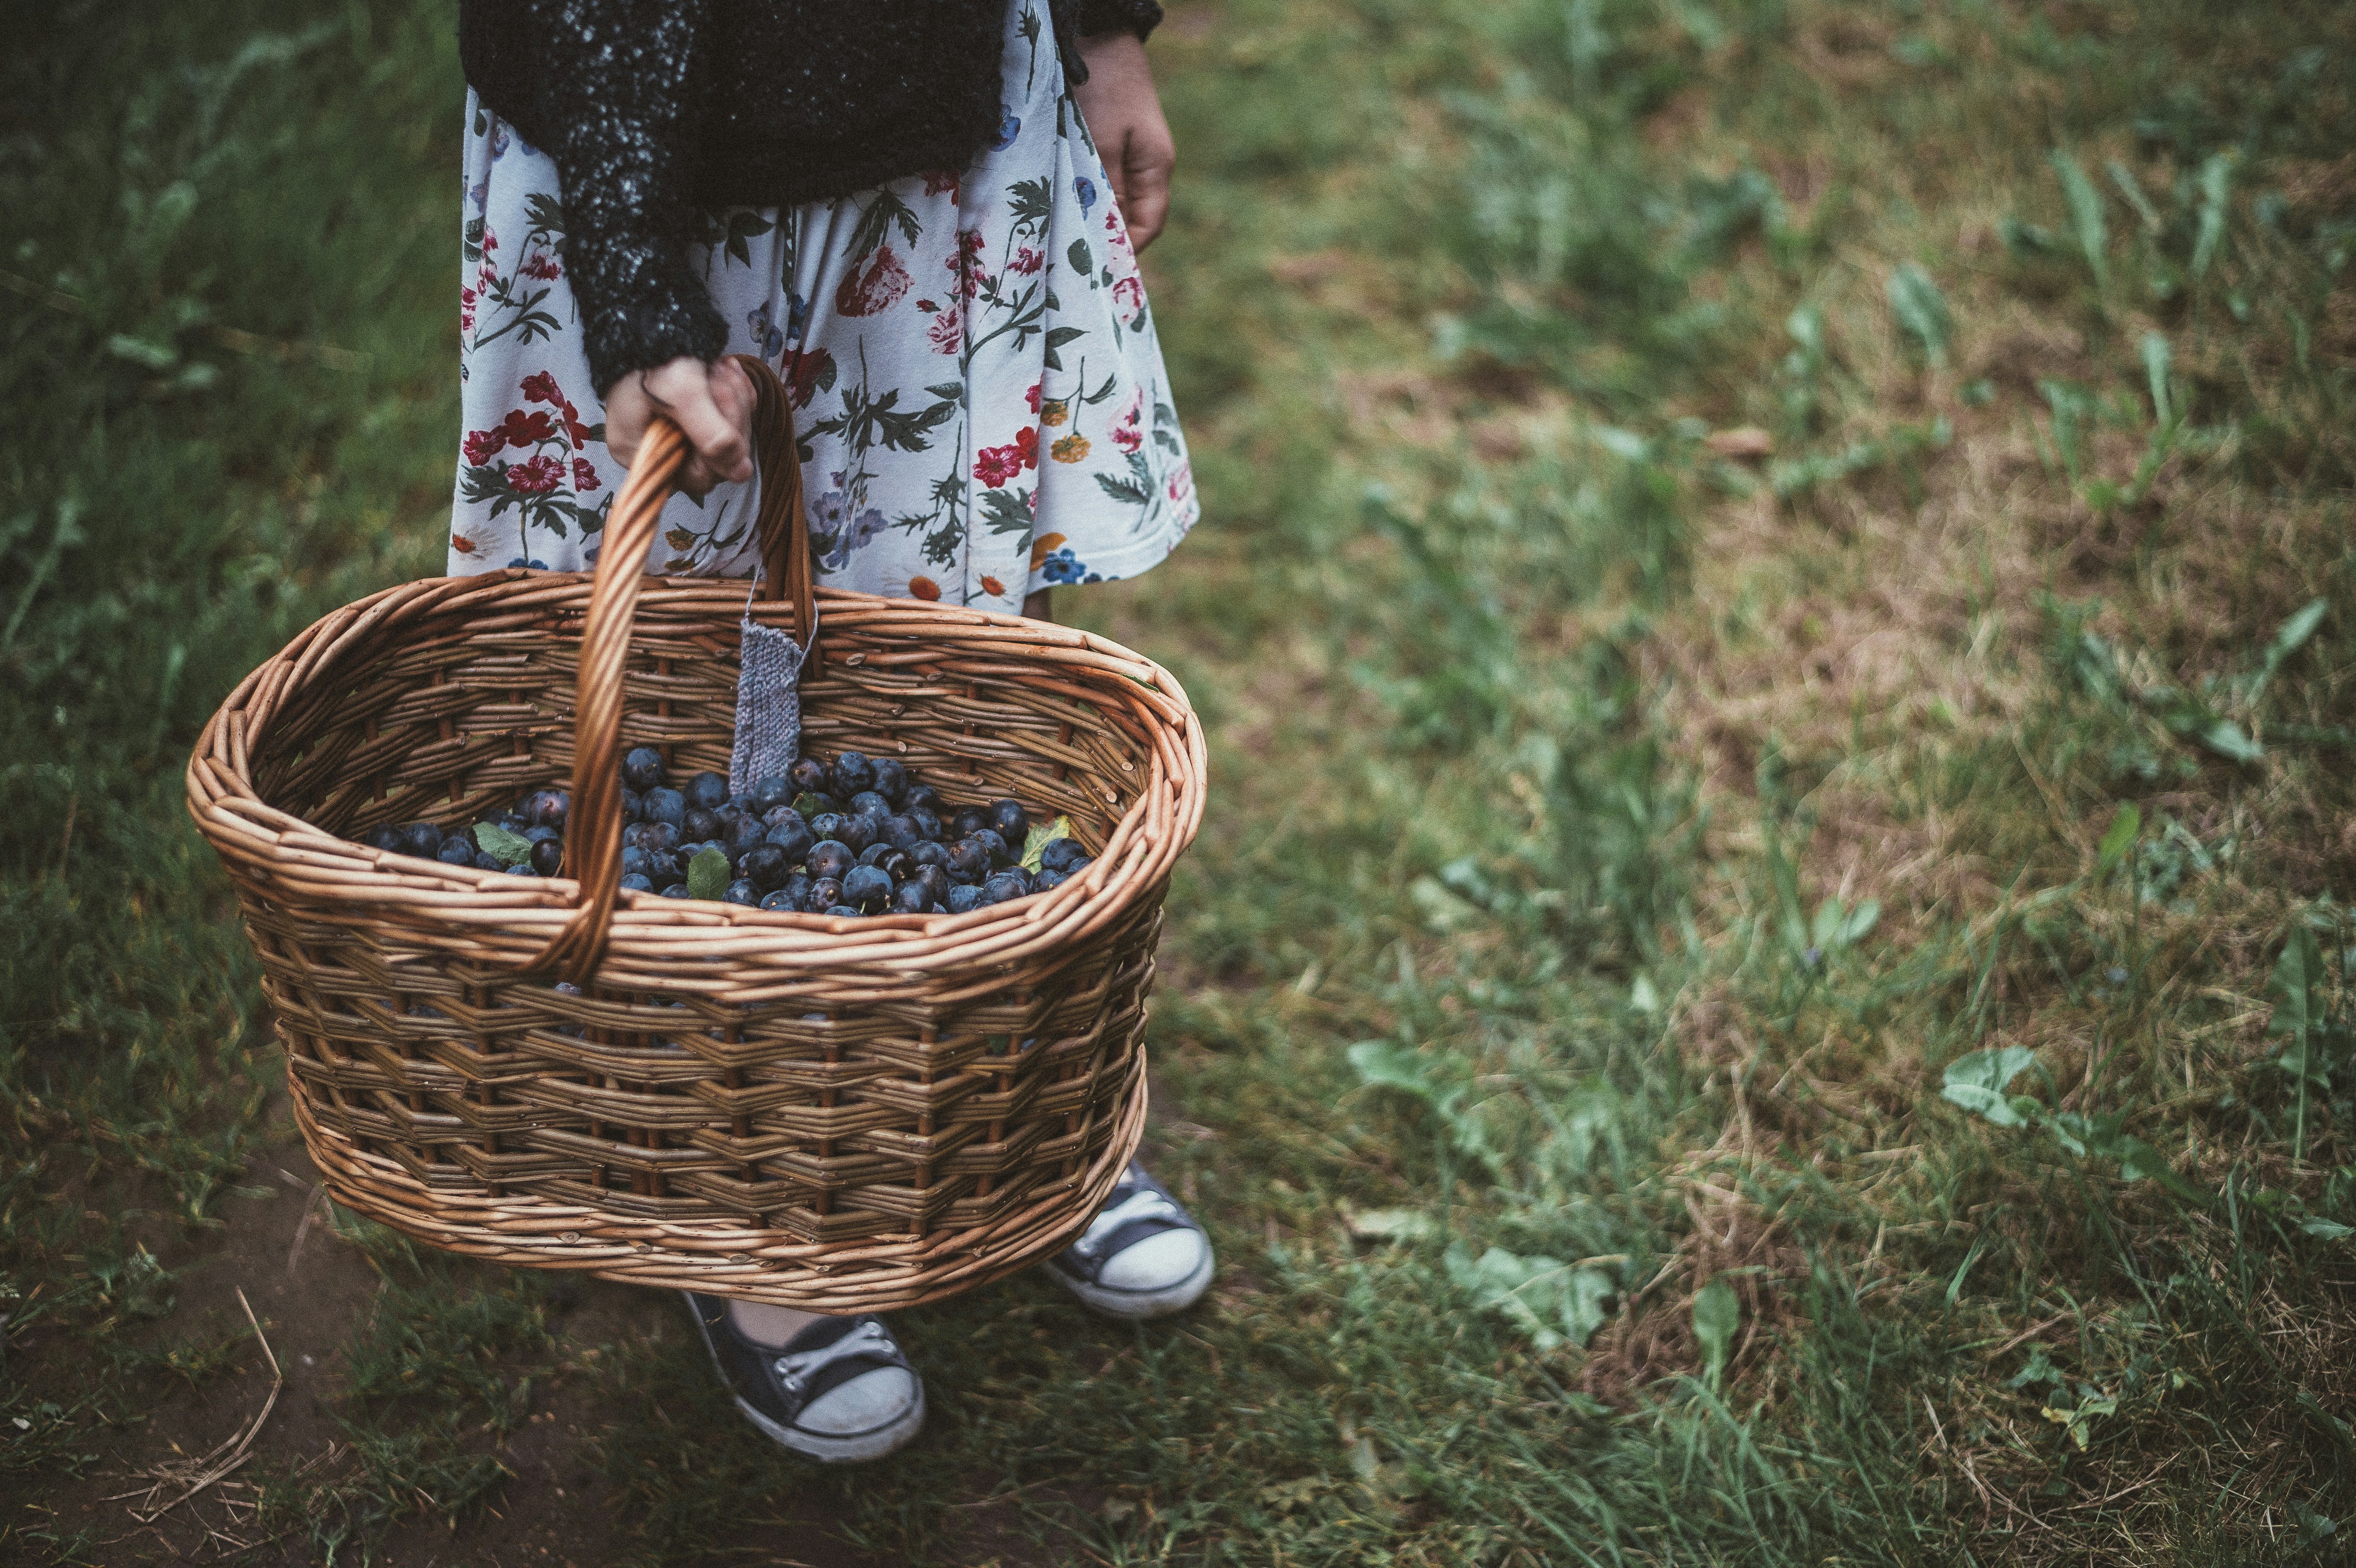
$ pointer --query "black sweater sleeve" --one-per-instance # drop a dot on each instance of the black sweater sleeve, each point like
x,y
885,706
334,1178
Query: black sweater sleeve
x,y
1138,16
620,90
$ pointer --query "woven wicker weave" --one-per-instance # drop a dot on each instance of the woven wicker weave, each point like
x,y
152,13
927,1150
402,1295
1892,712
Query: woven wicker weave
x,y
836,1115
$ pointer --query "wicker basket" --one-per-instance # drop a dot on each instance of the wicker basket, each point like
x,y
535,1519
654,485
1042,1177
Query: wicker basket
x,y
836,1115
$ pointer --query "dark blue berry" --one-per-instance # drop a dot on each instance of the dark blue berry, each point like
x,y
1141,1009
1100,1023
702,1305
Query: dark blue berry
x,y
664,870
1058,854
857,831
764,864
386,838
794,839
638,883
708,790
1046,880
634,806
546,808
700,824
922,797
457,852
830,858
844,911
867,803
929,823
642,768
928,852
660,837
769,792
797,888
676,890
782,899
1001,856
869,887
808,777
825,893
741,891
962,897
900,832
547,857
933,879
910,898
1011,822
743,832
633,862
969,821
1003,886
522,872
666,805
890,779
968,861
850,775
892,863
487,861
421,840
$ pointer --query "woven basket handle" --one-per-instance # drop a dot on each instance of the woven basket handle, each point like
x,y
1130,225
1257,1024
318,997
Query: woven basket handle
x,y
593,849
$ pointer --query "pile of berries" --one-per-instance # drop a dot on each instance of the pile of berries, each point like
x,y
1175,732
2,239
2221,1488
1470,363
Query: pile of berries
x,y
851,838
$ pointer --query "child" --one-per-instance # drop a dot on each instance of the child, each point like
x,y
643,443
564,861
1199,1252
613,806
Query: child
x,y
904,210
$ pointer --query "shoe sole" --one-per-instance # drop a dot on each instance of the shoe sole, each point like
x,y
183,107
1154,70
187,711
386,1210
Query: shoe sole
x,y
1136,1306
857,1449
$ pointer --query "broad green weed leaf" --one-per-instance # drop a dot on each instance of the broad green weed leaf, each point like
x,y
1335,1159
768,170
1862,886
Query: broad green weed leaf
x,y
1860,923
1977,1083
2327,1229
2039,1370
1921,310
2296,985
2295,632
2085,216
2216,185
1390,1224
2079,1418
508,848
1545,1297
2156,360
2125,829
1717,1318
2139,1161
707,874
1383,1064
2231,741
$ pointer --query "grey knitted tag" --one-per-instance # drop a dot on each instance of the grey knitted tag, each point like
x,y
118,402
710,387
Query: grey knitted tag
x,y
768,707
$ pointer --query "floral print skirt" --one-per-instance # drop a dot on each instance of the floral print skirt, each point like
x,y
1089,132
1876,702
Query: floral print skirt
x,y
978,393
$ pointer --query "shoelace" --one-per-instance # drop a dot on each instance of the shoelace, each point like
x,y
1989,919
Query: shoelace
x,y
796,1371
1143,1203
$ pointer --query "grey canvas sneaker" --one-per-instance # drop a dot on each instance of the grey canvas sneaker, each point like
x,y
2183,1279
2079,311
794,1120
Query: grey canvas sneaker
x,y
1142,1256
840,1390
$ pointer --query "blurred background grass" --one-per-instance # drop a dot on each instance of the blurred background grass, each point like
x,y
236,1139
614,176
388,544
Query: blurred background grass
x,y
1766,978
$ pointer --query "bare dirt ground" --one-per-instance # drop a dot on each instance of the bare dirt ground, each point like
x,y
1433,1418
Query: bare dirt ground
x,y
308,1288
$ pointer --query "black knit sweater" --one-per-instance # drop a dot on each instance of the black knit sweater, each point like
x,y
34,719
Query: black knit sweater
x,y
657,112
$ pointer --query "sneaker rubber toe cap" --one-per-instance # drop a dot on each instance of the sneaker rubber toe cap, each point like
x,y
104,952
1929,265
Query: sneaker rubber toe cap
x,y
1155,1263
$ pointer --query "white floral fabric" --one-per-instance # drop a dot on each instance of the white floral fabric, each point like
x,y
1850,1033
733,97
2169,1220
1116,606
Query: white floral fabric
x,y
978,393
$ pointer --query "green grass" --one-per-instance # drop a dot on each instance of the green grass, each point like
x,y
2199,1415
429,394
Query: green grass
x,y
1633,853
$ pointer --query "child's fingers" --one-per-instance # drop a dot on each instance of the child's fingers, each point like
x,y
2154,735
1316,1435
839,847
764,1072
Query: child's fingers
x,y
722,450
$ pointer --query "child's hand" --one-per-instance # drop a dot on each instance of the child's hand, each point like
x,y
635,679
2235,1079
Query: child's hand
x,y
713,404
1124,116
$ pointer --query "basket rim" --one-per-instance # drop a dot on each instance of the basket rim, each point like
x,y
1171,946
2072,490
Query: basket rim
x,y
344,882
